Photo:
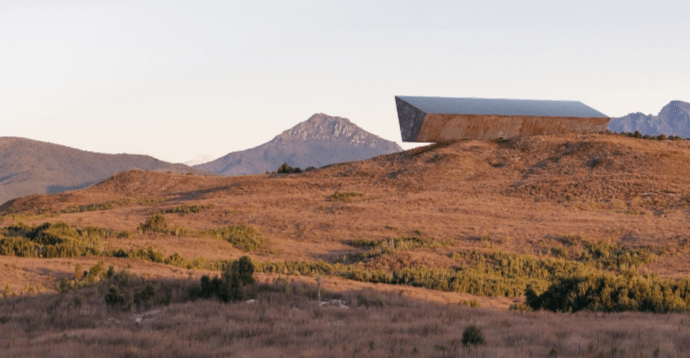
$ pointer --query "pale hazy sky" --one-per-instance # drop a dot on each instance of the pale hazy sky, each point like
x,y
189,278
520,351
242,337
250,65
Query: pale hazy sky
x,y
176,79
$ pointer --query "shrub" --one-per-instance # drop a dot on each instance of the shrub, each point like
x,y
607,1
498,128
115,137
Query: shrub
x,y
230,286
243,237
473,336
50,240
187,209
523,307
18,246
469,303
286,169
145,295
347,197
111,272
390,245
155,223
64,285
8,291
78,272
115,298
97,271
612,293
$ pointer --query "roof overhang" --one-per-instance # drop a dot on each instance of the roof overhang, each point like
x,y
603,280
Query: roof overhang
x,y
442,119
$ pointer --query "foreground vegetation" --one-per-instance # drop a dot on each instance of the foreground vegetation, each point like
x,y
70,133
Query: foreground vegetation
x,y
122,315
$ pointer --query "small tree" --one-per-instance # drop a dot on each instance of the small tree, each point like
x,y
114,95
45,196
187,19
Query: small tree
x,y
145,295
286,169
230,286
115,298
473,336
78,272
8,291
64,286
96,271
237,275
155,222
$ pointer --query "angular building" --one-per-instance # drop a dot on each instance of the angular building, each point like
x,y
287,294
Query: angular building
x,y
442,119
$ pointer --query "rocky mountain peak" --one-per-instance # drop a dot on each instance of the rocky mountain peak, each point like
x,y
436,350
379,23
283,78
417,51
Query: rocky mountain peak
x,y
676,108
324,127
320,140
673,119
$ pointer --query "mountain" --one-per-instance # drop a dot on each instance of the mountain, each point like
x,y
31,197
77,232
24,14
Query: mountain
x,y
198,159
674,119
33,167
316,142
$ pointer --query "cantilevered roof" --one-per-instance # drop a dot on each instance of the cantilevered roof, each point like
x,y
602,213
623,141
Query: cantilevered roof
x,y
439,119
502,107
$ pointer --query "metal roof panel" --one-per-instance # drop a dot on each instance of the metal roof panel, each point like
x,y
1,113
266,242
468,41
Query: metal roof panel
x,y
502,107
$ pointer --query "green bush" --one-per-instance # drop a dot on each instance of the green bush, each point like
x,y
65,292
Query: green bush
x,y
286,169
155,223
18,246
230,286
148,254
145,295
51,240
523,307
347,197
469,303
243,237
473,336
116,299
390,245
612,293
187,209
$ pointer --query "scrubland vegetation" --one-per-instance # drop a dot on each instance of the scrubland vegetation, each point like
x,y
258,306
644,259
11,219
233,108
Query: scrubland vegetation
x,y
591,276
585,236
124,315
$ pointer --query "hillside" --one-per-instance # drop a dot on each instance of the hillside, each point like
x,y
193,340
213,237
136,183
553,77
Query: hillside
x,y
316,142
33,167
673,119
608,188
431,239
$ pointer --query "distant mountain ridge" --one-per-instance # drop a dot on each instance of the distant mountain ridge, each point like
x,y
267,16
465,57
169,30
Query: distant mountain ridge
x,y
33,167
318,141
673,119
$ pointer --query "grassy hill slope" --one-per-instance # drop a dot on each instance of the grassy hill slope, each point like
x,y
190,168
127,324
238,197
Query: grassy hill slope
x,y
521,196
400,238
33,167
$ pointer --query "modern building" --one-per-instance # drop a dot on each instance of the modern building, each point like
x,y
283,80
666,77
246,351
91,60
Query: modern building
x,y
443,119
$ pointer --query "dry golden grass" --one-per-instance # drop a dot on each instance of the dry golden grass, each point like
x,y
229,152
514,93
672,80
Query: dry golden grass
x,y
516,196
285,320
526,191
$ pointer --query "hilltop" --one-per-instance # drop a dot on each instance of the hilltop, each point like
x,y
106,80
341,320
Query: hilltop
x,y
321,140
673,119
34,167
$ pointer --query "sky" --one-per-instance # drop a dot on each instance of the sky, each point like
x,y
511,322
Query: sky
x,y
180,80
